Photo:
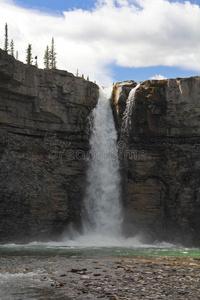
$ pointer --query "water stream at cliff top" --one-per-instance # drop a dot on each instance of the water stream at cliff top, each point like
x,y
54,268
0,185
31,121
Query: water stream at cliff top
x,y
126,120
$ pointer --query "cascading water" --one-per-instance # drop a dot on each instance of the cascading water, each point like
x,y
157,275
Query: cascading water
x,y
102,209
102,212
126,120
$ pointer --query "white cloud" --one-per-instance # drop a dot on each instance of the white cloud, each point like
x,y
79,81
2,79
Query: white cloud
x,y
130,33
158,77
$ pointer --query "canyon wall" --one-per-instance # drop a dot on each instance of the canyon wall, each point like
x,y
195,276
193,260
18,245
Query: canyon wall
x,y
160,158
43,142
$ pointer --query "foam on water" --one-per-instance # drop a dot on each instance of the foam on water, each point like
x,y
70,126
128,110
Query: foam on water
x,y
88,241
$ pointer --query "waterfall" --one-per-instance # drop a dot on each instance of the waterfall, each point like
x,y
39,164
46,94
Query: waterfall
x,y
102,212
102,209
126,120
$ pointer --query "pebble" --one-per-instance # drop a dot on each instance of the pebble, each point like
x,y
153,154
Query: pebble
x,y
136,277
85,277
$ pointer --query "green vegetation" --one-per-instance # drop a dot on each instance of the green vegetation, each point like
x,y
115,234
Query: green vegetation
x,y
6,42
6,38
46,58
49,58
29,58
52,55
12,48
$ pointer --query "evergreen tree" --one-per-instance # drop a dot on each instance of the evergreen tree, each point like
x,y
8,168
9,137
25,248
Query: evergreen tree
x,y
46,58
29,58
17,54
12,48
6,38
52,55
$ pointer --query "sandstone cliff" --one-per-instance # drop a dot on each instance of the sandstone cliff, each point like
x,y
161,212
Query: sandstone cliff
x,y
160,158
43,141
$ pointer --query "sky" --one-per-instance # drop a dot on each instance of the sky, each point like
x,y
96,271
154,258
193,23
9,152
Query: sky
x,y
108,40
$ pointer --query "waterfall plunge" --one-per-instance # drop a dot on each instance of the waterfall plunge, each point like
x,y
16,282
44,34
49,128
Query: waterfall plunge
x,y
102,209
102,213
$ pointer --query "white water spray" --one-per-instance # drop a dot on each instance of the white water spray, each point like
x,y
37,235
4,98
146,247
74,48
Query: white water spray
x,y
102,213
102,209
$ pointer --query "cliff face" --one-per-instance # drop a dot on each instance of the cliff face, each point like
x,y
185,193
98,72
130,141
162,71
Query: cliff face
x,y
43,142
160,158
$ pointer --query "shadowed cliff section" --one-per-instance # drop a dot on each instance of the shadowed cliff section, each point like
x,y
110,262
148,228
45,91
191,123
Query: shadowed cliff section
x,y
43,142
160,159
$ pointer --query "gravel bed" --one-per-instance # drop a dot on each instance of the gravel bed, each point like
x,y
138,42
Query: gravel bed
x,y
135,277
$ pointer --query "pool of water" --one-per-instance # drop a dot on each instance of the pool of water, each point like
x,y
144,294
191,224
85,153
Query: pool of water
x,y
55,248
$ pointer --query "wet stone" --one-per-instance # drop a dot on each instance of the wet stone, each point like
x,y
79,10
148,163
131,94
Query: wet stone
x,y
82,283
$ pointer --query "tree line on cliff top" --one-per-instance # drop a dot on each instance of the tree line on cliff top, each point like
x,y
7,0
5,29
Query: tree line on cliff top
x,y
49,58
49,54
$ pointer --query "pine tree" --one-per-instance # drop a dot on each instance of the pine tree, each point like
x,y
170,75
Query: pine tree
x,y
46,58
17,54
29,58
6,38
12,48
52,55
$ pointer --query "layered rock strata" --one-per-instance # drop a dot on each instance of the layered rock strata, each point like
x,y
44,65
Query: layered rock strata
x,y
43,143
160,159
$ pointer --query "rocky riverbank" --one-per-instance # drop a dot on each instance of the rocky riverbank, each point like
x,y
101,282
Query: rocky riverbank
x,y
114,278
